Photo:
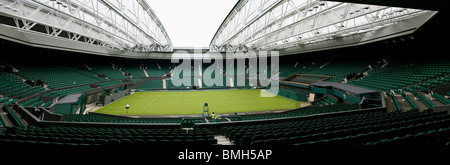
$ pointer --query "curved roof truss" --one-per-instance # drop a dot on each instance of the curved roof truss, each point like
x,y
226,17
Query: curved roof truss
x,y
286,24
126,25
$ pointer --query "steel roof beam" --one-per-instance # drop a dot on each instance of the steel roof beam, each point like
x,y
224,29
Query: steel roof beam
x,y
273,24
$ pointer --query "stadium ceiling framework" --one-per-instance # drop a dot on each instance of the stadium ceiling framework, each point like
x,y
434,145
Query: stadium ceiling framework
x,y
93,26
295,26
129,28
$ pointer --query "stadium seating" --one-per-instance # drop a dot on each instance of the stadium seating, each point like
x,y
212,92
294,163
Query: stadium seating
x,y
157,68
422,98
12,86
338,107
5,99
55,77
356,129
399,76
2,123
130,66
325,101
30,102
46,104
394,100
108,136
327,121
410,102
65,92
441,98
111,119
15,119
339,69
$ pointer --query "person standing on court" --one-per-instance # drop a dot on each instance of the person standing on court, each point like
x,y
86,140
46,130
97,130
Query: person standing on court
x,y
213,116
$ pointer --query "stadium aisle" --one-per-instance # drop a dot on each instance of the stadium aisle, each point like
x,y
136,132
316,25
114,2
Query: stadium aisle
x,y
222,140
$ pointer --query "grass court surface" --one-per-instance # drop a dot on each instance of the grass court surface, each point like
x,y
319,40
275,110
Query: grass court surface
x,y
191,102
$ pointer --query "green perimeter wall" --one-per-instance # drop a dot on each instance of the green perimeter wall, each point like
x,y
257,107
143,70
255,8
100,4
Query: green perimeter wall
x,y
294,92
300,92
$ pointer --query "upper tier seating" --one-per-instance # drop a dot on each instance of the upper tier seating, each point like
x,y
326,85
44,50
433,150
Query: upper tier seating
x,y
397,76
56,77
339,69
12,86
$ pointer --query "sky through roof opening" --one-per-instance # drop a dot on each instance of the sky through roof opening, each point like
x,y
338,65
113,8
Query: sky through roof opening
x,y
191,23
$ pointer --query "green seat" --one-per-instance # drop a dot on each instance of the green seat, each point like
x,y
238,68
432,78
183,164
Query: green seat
x,y
258,143
126,142
246,139
114,142
101,141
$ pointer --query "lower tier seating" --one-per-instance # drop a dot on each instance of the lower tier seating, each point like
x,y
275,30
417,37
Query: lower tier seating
x,y
356,129
108,136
